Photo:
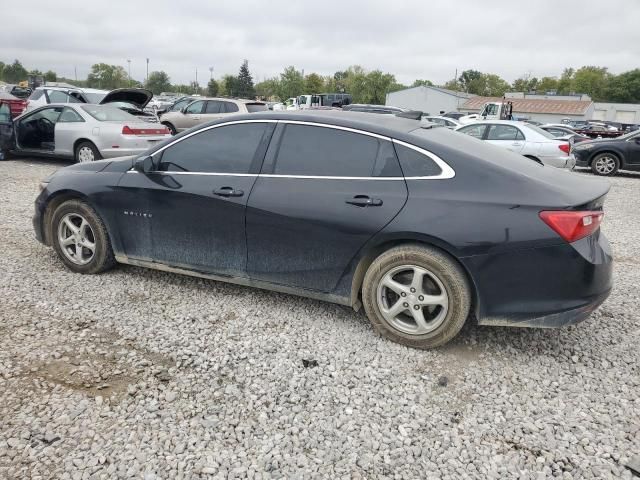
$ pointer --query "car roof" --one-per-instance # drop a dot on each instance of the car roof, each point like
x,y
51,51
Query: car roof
x,y
226,99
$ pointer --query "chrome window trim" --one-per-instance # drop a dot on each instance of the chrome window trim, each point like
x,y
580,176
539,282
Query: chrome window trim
x,y
445,173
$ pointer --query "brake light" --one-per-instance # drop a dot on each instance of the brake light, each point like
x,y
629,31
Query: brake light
x,y
565,147
127,130
572,225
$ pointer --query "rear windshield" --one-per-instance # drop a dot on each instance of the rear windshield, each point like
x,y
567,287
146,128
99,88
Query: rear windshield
x,y
257,107
108,114
95,97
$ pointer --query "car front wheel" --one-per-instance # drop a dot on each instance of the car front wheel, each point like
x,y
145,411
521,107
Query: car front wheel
x,y
80,238
605,164
417,296
87,152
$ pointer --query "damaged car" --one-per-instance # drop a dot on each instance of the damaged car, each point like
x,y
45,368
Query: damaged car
x,y
425,228
78,131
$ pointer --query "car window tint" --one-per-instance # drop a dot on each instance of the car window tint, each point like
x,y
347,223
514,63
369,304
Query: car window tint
x,y
416,164
474,130
36,94
230,107
213,106
321,151
256,107
52,114
195,107
70,116
502,132
228,149
387,162
179,105
56,96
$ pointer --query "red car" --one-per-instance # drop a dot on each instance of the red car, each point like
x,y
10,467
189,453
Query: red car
x,y
17,105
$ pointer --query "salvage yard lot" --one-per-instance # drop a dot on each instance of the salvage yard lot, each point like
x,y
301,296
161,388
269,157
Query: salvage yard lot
x,y
145,374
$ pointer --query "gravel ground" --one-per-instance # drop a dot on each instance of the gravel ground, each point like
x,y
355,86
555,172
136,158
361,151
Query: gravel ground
x,y
144,374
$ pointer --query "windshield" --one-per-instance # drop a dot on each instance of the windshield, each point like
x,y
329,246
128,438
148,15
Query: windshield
x,y
542,132
95,97
109,114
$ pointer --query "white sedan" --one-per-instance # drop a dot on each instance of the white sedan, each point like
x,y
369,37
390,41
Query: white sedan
x,y
525,139
80,131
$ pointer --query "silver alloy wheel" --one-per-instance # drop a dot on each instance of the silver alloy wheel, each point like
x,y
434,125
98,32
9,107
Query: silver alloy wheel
x,y
412,299
605,165
85,154
76,238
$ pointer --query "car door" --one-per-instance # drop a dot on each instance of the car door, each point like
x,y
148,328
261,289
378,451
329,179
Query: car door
x,y
189,211
506,136
323,192
633,151
192,116
69,128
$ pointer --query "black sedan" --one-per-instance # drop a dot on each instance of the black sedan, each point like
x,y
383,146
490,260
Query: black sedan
x,y
424,227
606,156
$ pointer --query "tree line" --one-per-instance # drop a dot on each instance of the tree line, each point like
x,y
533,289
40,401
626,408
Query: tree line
x,y
365,86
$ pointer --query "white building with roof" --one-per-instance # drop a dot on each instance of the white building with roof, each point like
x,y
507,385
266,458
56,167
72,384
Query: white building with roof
x,y
431,100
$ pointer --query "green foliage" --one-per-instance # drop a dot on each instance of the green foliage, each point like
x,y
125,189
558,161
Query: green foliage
x,y
313,83
592,81
158,82
244,82
14,73
291,83
212,88
422,83
625,88
547,84
268,89
50,76
229,86
107,76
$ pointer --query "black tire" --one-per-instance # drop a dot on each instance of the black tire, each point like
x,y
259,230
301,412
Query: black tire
x,y
448,273
171,128
103,258
605,164
81,148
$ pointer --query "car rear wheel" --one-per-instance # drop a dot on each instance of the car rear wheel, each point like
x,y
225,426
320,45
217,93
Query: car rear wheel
x,y
80,238
605,164
87,152
171,128
417,296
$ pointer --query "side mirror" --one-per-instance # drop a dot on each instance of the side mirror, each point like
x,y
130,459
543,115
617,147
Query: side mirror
x,y
143,164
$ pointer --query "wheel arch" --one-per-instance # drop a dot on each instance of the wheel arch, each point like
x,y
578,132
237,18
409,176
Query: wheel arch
x,y
371,252
54,201
82,140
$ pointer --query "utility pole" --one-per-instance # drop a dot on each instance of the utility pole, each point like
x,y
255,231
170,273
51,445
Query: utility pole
x,y
147,80
129,62
75,71
197,79
211,71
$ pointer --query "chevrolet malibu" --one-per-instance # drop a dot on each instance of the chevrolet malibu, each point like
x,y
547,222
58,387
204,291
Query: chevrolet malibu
x,y
424,227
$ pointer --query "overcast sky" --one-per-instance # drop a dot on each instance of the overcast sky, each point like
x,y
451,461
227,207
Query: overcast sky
x,y
411,39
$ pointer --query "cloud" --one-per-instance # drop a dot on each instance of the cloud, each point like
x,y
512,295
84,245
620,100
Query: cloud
x,y
409,38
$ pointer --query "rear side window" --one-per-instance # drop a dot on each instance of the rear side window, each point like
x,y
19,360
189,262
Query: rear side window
x,y
56,96
321,151
36,94
195,107
70,116
230,107
228,149
504,132
213,106
476,131
416,164
256,107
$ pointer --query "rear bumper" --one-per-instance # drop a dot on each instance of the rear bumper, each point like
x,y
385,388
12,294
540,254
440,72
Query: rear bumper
x,y
560,161
543,287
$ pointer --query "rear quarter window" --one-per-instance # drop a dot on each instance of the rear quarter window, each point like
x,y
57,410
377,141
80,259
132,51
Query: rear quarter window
x,y
36,94
256,107
415,163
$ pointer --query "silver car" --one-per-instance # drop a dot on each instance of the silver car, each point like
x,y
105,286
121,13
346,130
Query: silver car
x,y
202,110
83,132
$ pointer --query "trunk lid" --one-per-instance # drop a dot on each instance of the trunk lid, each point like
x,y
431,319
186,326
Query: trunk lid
x,y
136,96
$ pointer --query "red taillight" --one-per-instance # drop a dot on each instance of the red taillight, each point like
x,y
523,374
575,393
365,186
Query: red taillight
x,y
127,130
565,147
571,225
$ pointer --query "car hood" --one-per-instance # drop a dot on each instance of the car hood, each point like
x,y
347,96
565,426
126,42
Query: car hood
x,y
137,96
111,164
